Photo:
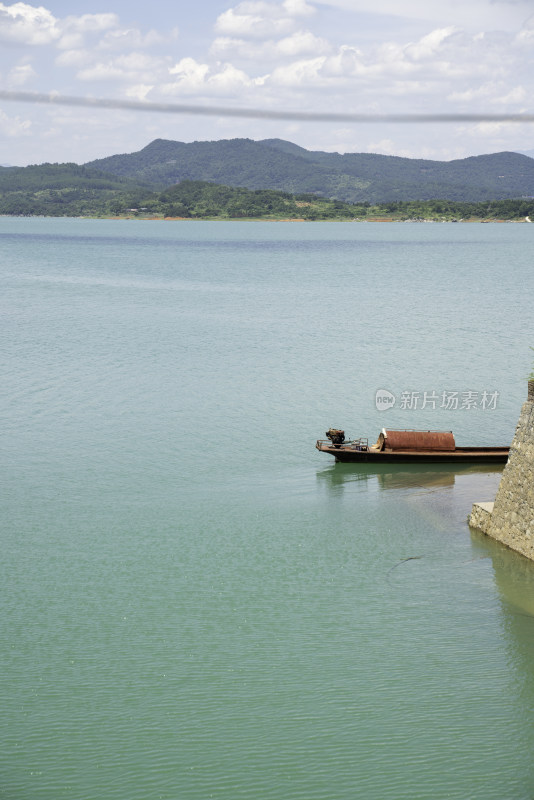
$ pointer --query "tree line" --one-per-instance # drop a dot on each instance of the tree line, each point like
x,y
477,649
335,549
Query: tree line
x,y
70,190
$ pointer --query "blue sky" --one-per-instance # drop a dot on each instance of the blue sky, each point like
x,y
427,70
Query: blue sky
x,y
389,56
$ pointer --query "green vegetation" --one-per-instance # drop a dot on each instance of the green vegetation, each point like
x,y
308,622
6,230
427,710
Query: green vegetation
x,y
350,178
450,211
201,200
57,190
70,190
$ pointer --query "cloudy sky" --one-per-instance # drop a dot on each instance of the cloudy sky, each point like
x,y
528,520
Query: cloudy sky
x,y
386,56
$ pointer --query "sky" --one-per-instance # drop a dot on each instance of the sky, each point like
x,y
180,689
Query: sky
x,y
339,56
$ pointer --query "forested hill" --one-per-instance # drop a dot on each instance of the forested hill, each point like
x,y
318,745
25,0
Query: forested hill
x,y
57,189
67,190
352,177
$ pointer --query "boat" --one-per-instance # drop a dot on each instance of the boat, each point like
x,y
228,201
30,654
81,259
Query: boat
x,y
404,446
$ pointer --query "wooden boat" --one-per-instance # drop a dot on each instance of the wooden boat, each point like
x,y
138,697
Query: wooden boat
x,y
438,447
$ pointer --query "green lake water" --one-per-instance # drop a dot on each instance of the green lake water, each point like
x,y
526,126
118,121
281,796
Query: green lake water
x,y
195,602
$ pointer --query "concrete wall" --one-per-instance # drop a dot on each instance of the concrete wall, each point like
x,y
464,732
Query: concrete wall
x,y
511,520
480,517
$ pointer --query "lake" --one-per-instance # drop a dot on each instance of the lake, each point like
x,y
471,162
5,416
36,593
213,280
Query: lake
x,y
196,603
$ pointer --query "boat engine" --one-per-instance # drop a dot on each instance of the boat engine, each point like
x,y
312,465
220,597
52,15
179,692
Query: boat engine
x,y
336,436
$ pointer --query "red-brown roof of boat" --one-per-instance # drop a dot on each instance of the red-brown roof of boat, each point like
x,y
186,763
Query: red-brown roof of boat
x,y
419,440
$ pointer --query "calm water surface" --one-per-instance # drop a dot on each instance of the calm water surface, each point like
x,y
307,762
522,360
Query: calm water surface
x,y
196,604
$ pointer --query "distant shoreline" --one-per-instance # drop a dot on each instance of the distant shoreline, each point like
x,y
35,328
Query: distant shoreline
x,y
302,219
140,218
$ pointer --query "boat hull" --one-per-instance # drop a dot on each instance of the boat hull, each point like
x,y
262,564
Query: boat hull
x,y
460,455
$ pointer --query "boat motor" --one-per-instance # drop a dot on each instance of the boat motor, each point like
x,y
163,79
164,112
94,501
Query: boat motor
x,y
336,436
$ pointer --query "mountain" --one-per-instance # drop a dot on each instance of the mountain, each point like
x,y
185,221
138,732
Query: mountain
x,y
69,190
232,162
351,177
61,189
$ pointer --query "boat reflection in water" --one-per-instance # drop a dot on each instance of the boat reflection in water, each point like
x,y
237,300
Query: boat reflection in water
x,y
402,476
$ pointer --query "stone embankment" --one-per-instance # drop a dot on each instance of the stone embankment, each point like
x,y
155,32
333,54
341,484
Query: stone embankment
x,y
510,519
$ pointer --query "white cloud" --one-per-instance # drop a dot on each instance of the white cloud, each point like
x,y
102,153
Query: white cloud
x,y
131,67
91,23
140,91
492,93
488,129
391,62
307,72
298,8
74,58
25,24
289,54
473,93
126,38
473,15
13,127
348,61
429,45
189,73
192,77
299,43
516,95
229,79
20,75
75,30
252,26
386,147
22,23
526,34
256,19
71,40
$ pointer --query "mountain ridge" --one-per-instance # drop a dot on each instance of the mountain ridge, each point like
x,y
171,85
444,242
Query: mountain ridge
x,y
349,177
